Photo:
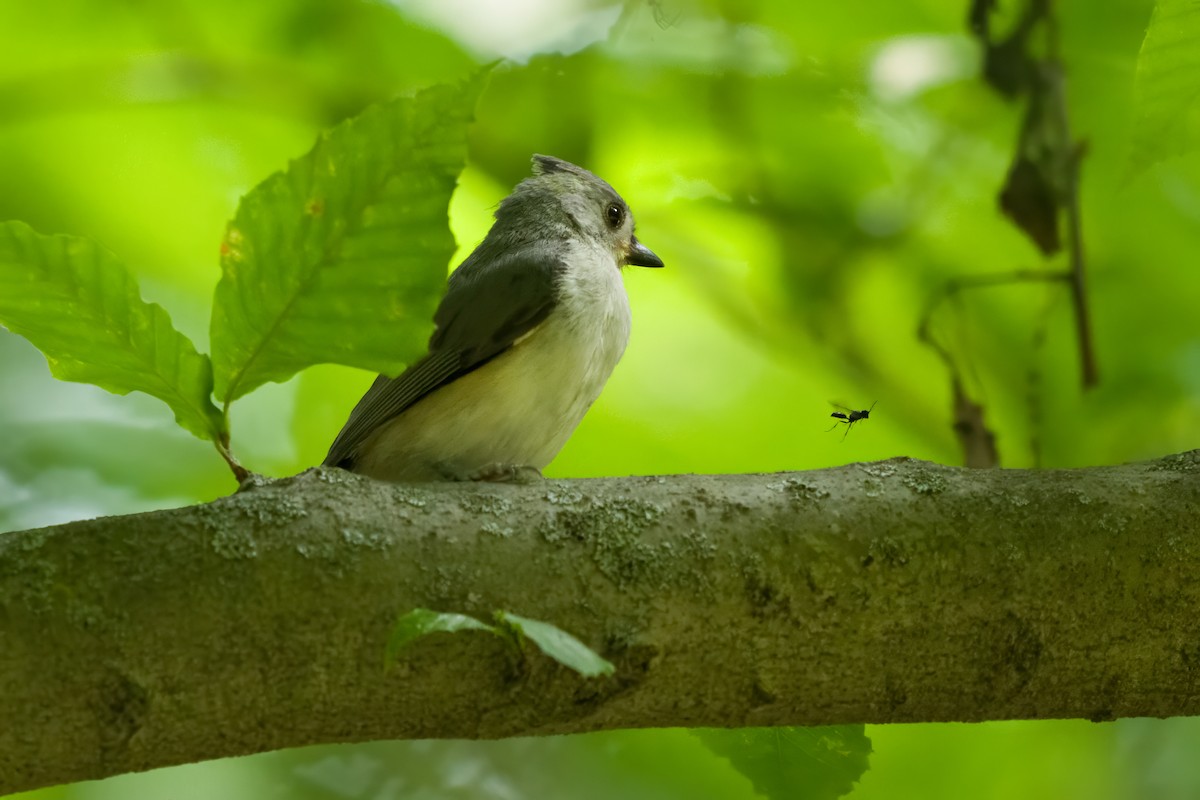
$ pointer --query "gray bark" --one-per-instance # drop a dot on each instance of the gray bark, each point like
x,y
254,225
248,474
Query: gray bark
x,y
899,591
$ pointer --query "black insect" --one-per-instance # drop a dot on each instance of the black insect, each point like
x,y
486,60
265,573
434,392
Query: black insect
x,y
849,416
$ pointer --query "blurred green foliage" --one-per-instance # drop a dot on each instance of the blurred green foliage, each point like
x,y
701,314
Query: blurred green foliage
x,y
786,762
1167,122
811,173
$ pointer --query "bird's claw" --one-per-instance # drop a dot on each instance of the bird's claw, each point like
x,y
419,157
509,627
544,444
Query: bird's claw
x,y
521,474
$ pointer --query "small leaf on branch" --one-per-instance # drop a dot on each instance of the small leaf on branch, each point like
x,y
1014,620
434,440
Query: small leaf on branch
x,y
559,645
784,763
341,258
422,622
79,305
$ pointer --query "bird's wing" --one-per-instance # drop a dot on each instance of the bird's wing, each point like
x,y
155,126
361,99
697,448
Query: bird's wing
x,y
485,310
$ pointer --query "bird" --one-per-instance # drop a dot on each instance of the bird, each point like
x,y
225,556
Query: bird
x,y
532,324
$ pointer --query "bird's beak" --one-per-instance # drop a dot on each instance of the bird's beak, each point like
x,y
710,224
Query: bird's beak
x,y
641,256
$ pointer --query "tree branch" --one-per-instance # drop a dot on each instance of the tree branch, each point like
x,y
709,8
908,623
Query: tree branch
x,y
887,592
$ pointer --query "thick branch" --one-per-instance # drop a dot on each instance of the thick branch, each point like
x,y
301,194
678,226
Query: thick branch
x,y
897,591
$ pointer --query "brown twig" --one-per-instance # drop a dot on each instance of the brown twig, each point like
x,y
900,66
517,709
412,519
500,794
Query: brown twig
x,y
1054,79
1034,402
1078,281
1083,323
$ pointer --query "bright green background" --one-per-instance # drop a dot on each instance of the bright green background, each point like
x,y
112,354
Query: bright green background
x,y
810,173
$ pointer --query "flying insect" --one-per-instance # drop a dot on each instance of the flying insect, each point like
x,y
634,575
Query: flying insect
x,y
849,416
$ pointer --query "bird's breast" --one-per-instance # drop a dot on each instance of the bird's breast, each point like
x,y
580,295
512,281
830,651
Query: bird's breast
x,y
568,359
522,406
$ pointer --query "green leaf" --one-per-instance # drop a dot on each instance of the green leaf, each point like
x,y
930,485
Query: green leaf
x,y
559,645
422,622
341,258
1167,114
80,306
812,763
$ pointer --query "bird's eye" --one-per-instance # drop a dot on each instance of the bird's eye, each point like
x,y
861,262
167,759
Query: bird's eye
x,y
615,214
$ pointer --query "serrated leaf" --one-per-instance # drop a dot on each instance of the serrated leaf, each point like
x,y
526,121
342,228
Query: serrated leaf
x,y
811,763
1167,83
422,622
341,258
80,306
559,645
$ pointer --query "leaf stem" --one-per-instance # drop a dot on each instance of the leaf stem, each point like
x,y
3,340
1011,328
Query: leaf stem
x,y
240,473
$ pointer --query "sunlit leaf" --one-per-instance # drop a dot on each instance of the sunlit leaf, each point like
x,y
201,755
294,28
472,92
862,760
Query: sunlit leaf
x,y
422,622
783,763
1167,116
80,306
341,258
559,645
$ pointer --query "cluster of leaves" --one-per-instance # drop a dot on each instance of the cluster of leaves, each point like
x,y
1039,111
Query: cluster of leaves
x,y
340,258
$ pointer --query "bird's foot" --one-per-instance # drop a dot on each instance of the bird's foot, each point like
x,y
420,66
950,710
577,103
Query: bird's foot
x,y
521,474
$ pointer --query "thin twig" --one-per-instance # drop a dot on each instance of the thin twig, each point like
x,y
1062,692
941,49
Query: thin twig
x,y
1054,77
1083,323
1034,399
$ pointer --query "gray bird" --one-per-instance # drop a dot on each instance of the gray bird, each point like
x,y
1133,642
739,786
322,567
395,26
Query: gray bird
x,y
532,324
